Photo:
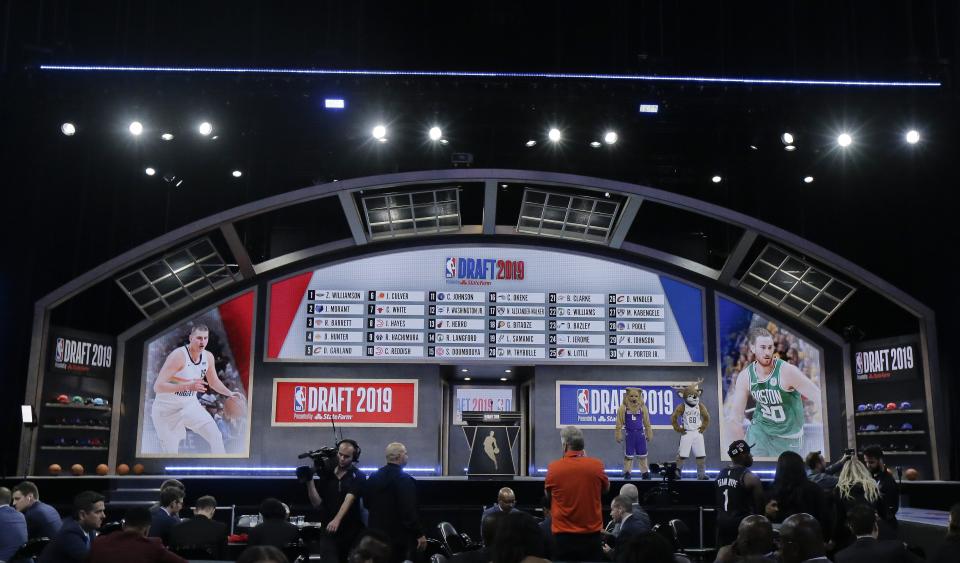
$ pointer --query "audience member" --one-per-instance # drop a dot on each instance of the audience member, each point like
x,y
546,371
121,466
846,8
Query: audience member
x,y
373,547
754,539
575,484
489,527
518,540
855,486
793,493
650,547
262,554
166,514
72,541
170,483
825,476
949,552
132,543
202,531
13,526
546,527
506,500
43,520
273,529
621,510
862,521
390,496
801,540
639,514
889,491
739,492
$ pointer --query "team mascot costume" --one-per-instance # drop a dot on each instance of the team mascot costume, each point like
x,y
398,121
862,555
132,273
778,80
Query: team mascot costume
x,y
691,420
634,418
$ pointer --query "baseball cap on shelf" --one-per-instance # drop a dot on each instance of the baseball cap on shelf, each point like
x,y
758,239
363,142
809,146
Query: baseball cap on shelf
x,y
63,399
100,402
878,406
861,408
906,426
906,405
868,407
738,447
77,399
891,406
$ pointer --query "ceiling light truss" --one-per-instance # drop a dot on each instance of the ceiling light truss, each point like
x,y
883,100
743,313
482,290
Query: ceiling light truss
x,y
795,286
412,213
574,217
179,277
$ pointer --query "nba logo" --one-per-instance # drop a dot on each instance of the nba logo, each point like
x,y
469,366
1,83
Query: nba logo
x,y
59,353
583,401
451,268
299,399
859,362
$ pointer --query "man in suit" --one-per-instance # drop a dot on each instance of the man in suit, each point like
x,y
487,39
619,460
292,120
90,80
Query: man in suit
x,y
132,543
621,510
862,520
13,527
167,514
72,542
506,500
201,531
43,520
630,490
274,529
390,496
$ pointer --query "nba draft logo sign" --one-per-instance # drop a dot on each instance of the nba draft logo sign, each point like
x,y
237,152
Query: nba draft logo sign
x,y
80,354
481,271
594,404
345,402
887,360
583,401
299,399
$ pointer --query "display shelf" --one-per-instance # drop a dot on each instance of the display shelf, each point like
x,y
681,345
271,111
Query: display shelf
x,y
75,448
897,411
919,452
75,406
76,427
893,433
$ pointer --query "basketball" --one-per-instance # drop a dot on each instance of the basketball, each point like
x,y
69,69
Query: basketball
x,y
54,469
103,469
234,408
76,469
911,474
138,469
123,469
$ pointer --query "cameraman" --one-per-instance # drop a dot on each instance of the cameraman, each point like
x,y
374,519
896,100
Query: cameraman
x,y
340,482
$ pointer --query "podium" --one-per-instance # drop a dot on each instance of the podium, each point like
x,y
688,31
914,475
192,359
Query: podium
x,y
491,437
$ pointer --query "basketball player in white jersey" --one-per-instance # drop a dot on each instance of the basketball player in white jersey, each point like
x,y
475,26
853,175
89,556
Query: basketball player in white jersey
x,y
187,370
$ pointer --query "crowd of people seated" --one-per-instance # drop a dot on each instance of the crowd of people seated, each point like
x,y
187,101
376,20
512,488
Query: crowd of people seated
x,y
845,513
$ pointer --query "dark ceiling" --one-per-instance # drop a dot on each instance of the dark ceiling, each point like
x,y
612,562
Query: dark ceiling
x,y
74,202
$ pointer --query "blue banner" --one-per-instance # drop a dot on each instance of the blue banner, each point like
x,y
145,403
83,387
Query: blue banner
x,y
594,404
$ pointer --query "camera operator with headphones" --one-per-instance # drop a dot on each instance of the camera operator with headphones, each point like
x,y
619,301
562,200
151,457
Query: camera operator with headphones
x,y
336,493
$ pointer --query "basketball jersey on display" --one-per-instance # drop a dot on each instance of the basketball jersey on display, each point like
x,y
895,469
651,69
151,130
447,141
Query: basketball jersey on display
x,y
779,412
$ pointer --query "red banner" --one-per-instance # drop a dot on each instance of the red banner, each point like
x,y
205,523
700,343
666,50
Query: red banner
x,y
347,402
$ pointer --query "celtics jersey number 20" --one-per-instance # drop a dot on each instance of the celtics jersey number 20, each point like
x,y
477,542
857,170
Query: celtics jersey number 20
x,y
779,412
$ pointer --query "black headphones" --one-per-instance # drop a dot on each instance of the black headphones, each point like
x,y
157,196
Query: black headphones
x,y
356,448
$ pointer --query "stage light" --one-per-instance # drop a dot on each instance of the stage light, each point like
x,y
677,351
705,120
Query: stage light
x,y
205,128
167,136
467,378
531,143
435,134
649,108
753,147
786,138
913,136
808,179
150,171
508,371
595,144
844,140
790,148
444,141
68,129
334,103
237,173
554,135
464,370
379,132
610,137
503,379
135,128
179,183
26,415
716,179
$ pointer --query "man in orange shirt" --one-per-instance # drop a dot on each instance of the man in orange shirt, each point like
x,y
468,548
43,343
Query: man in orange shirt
x,y
575,484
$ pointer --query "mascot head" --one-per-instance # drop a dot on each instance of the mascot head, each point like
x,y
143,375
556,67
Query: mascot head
x,y
632,399
691,393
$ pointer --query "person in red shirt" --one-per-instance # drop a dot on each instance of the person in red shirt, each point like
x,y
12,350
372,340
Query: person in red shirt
x,y
575,484
132,543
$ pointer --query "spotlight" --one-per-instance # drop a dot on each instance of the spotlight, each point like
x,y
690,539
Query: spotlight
x,y
786,138
334,103
382,140
167,136
913,136
237,173
135,128
467,378
595,144
68,129
753,147
150,171
844,140
508,371
503,379
716,179
464,370
610,137
178,183
554,135
444,141
531,143
379,132
808,179
790,148
205,128
435,134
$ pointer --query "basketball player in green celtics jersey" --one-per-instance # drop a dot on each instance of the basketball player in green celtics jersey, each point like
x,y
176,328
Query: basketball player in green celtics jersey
x,y
776,387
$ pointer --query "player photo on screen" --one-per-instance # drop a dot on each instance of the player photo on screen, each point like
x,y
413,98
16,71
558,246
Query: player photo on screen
x,y
197,385
770,385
